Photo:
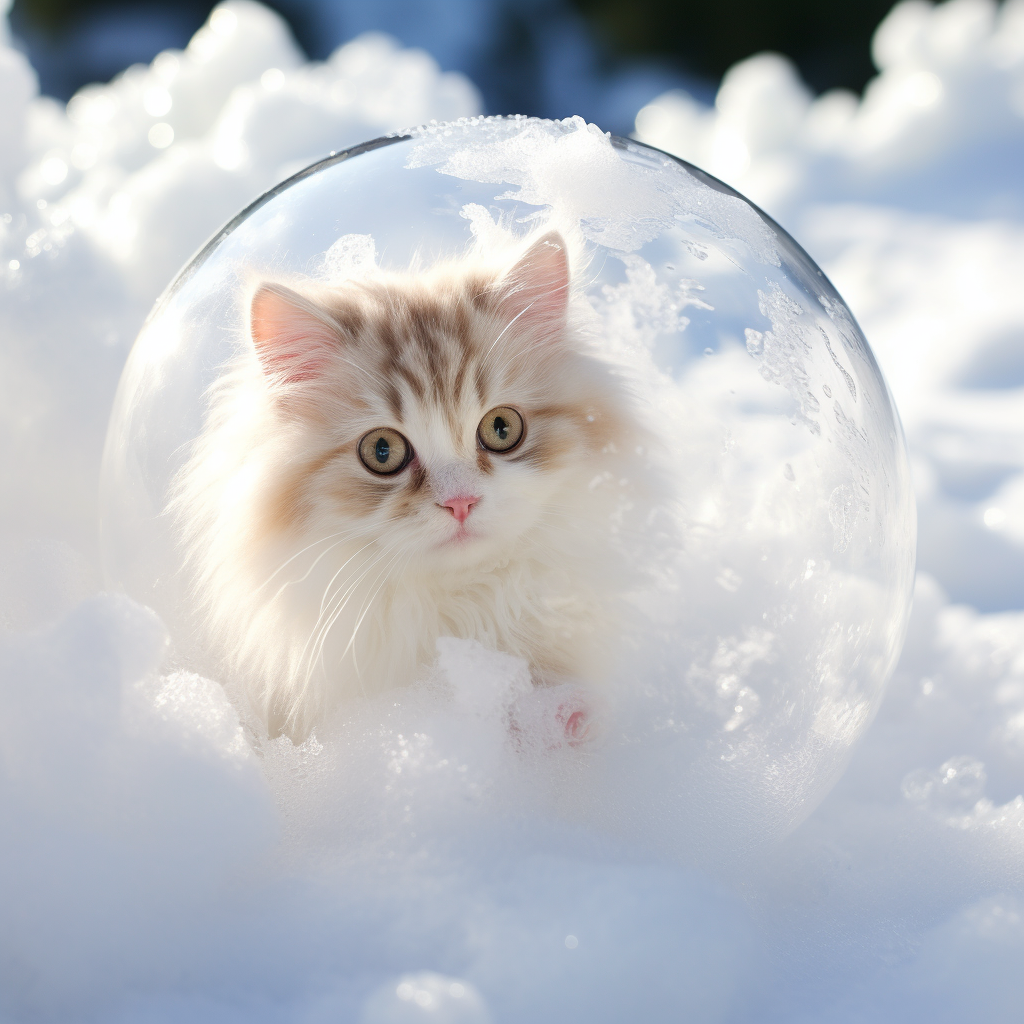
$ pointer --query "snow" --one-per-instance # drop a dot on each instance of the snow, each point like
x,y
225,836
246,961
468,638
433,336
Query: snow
x,y
157,869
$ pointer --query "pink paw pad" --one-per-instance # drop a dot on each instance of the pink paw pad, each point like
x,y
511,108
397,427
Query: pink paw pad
x,y
575,724
550,717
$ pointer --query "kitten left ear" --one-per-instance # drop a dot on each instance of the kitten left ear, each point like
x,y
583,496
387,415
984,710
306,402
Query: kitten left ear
x,y
535,292
292,335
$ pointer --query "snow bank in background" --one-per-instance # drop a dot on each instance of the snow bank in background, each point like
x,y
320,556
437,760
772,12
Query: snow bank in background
x,y
154,872
941,301
171,150
935,130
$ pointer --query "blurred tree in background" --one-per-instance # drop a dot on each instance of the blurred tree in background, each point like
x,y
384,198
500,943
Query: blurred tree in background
x,y
829,41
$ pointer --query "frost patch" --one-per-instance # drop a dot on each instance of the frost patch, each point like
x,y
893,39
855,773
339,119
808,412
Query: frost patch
x,y
619,197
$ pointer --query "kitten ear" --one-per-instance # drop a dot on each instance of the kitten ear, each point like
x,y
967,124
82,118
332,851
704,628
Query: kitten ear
x,y
535,292
291,334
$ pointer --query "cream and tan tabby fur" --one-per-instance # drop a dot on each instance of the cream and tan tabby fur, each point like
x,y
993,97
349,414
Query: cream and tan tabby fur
x,y
318,577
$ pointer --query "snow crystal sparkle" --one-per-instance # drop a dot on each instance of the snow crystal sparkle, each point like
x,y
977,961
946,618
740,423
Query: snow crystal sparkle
x,y
779,564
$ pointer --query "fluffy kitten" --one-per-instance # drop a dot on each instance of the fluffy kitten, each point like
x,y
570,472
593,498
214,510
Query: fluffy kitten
x,y
403,457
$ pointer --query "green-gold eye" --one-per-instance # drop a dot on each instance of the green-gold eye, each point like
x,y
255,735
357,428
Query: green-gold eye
x,y
384,451
501,429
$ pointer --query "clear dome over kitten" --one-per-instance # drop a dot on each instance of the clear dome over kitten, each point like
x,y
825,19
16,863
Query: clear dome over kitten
x,y
405,456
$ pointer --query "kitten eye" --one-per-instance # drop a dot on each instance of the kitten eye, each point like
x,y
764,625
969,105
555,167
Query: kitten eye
x,y
384,451
501,429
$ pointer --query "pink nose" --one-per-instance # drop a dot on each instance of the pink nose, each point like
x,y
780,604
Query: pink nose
x,y
460,507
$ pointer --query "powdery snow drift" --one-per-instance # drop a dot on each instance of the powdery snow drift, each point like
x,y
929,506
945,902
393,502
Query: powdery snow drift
x,y
158,869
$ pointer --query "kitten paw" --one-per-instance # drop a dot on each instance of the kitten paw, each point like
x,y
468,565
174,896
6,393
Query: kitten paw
x,y
577,720
551,717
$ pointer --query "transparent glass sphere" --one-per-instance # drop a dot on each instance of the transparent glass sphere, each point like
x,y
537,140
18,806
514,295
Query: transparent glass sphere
x,y
782,551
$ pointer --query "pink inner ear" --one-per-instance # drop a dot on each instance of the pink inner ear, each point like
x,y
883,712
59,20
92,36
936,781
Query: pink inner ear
x,y
291,335
535,292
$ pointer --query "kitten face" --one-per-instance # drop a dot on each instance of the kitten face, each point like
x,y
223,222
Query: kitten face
x,y
466,390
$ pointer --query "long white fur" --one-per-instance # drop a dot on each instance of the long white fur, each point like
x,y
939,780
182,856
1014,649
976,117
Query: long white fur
x,y
355,604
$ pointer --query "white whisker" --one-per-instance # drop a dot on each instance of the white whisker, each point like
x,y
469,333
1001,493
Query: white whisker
x,y
317,653
328,609
297,554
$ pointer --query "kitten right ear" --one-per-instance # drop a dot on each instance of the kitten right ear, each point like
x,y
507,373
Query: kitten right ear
x,y
291,335
535,292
